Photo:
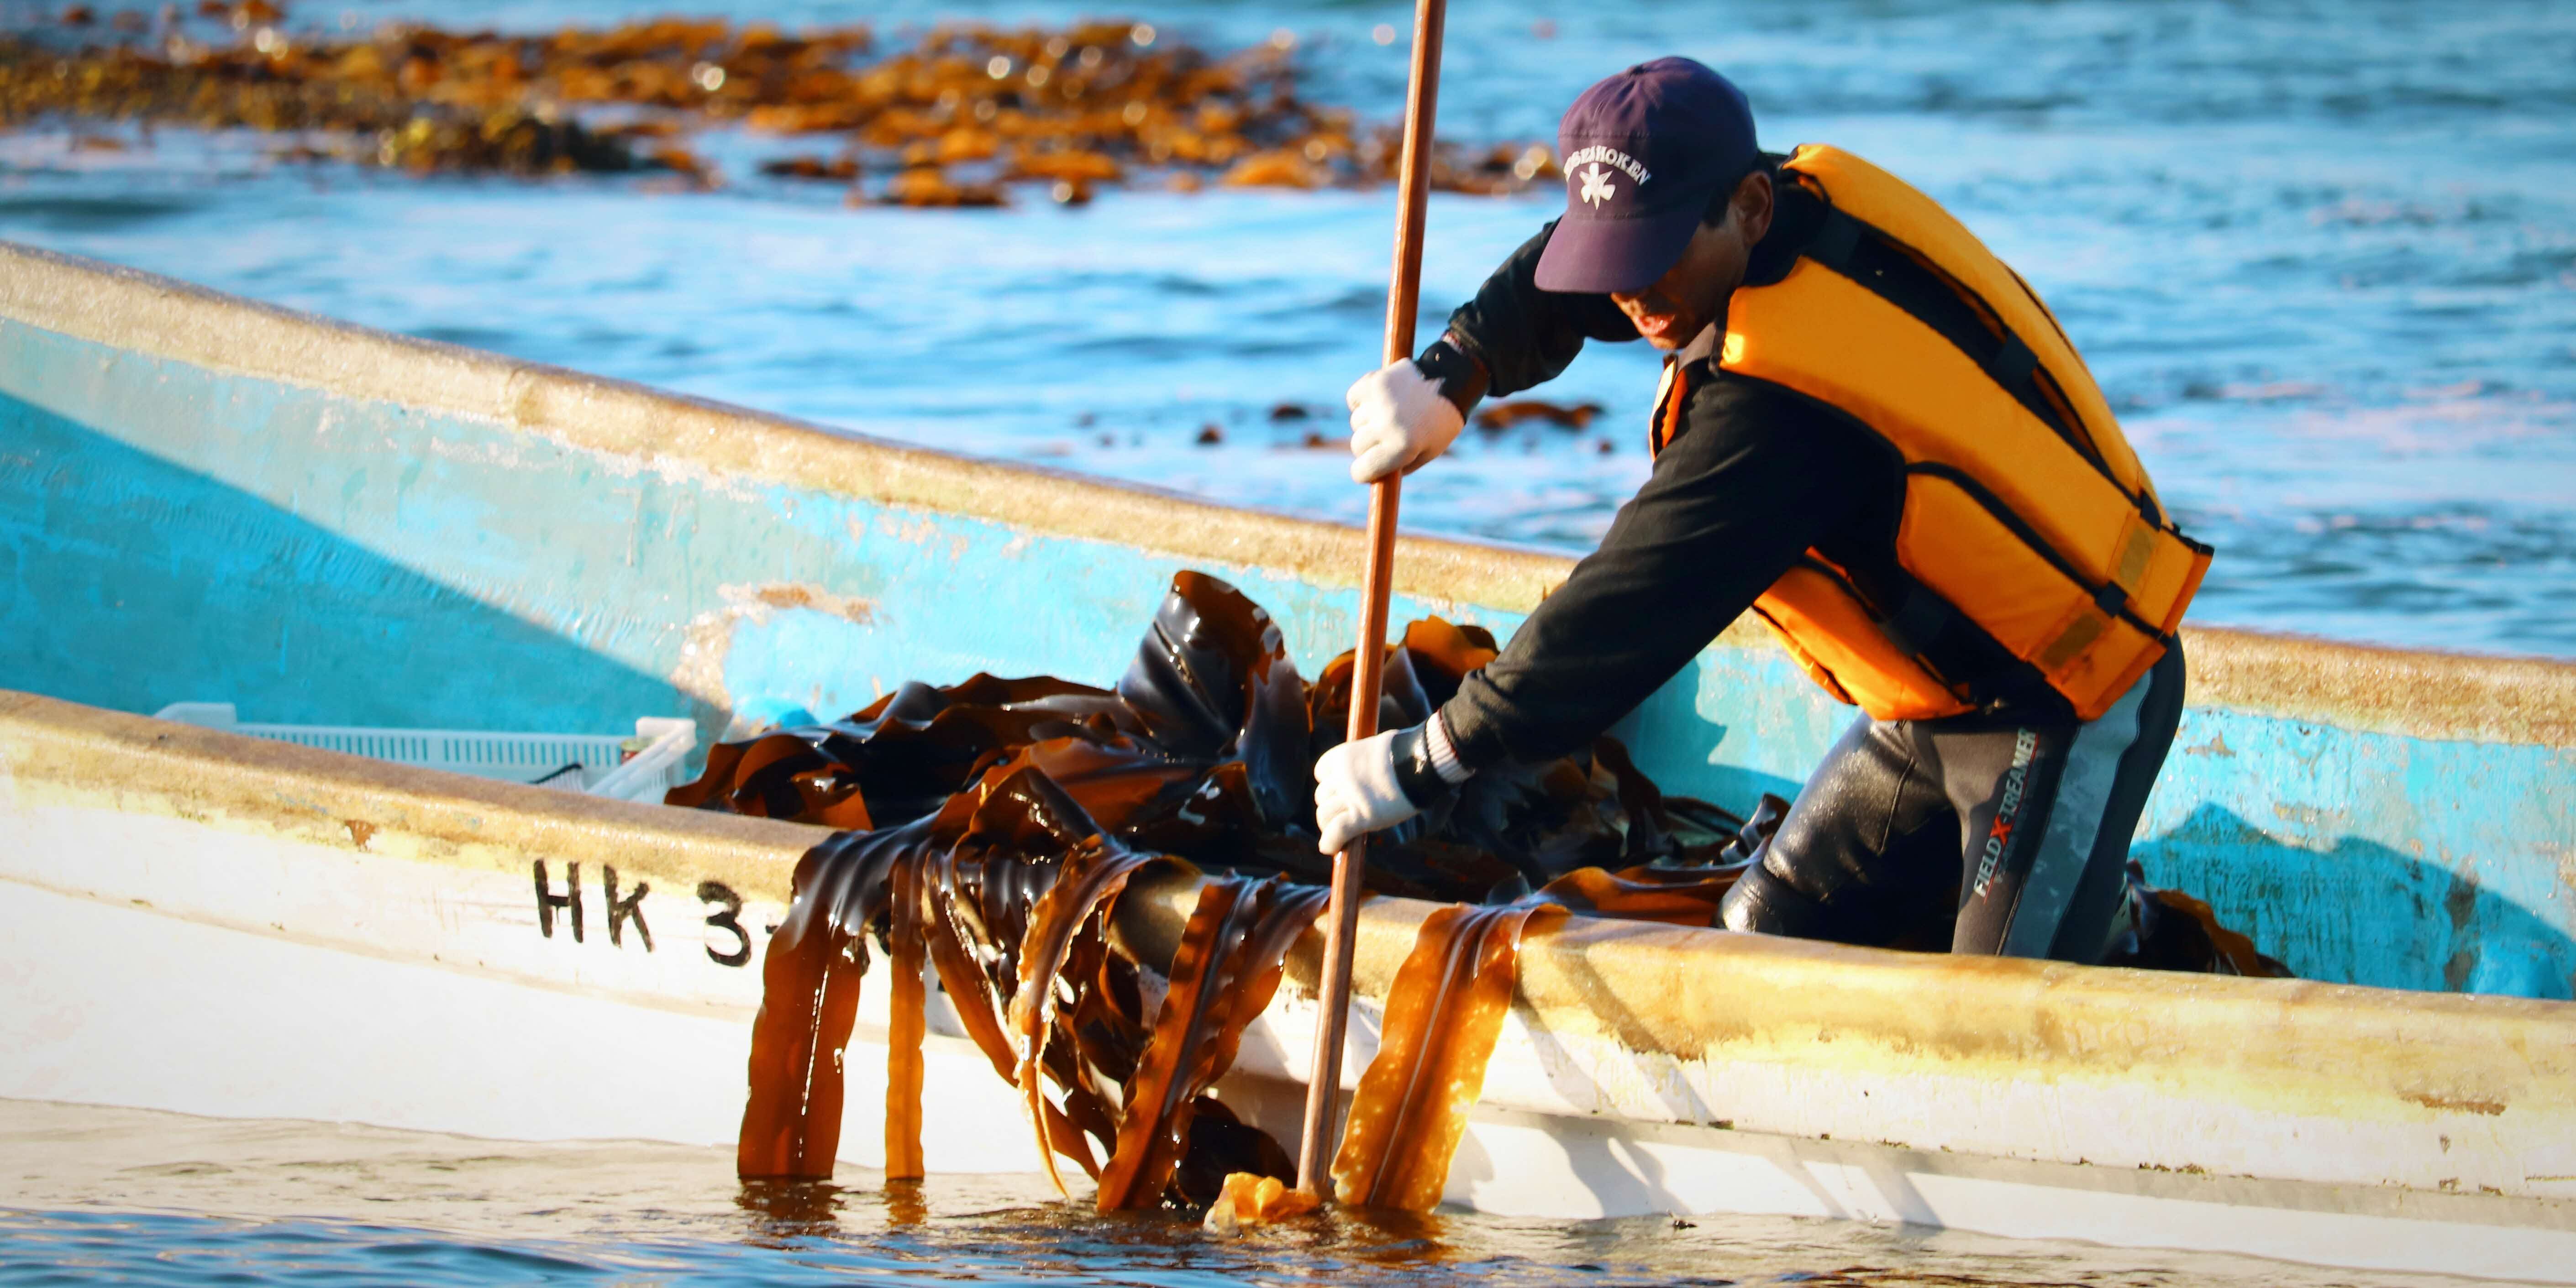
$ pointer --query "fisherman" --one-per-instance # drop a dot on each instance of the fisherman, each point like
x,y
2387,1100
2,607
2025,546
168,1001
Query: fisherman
x,y
1873,435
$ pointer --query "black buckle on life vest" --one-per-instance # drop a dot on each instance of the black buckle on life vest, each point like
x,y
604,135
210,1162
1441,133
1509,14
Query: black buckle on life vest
x,y
1837,235
2111,599
1956,650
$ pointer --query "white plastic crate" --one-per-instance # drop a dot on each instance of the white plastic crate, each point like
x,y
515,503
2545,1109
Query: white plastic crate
x,y
580,762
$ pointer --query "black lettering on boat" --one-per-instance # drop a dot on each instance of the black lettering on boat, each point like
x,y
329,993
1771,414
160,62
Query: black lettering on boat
x,y
630,908
727,916
569,901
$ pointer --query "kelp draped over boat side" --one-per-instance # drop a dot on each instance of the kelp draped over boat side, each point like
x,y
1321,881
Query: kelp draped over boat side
x,y
991,826
993,823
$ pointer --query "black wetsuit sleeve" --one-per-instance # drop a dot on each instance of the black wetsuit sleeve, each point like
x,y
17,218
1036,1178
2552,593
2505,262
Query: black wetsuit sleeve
x,y
1525,336
1757,476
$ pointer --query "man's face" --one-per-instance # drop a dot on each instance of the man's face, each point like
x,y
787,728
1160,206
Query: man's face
x,y
1692,293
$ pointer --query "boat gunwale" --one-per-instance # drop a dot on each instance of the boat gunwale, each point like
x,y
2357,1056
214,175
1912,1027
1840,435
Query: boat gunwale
x,y
2362,687
237,781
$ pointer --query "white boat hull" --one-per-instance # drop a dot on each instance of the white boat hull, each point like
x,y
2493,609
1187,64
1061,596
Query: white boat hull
x,y
173,943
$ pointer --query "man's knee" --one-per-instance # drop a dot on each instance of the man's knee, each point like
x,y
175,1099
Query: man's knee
x,y
1763,902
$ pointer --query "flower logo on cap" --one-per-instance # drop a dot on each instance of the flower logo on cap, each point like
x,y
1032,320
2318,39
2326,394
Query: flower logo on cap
x,y
1596,186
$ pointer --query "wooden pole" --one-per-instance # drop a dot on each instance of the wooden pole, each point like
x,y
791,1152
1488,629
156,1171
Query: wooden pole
x,y
1324,1082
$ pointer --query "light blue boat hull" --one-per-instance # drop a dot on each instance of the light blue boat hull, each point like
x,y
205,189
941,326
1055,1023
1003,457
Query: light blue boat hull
x,y
204,499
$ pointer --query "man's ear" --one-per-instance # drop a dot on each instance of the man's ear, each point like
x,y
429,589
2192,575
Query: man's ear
x,y
1752,204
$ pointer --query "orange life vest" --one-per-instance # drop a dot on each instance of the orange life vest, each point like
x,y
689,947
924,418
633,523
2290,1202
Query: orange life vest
x,y
2024,511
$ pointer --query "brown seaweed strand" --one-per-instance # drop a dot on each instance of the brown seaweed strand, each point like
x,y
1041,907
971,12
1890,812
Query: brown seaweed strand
x,y
1073,1062
1066,1137
1443,1017
1093,873
1224,974
969,989
791,1121
1384,1102
2230,952
1149,1138
1675,897
905,1025
950,933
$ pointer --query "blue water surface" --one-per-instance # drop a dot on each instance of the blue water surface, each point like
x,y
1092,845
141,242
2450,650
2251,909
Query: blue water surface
x,y
90,1194
2322,257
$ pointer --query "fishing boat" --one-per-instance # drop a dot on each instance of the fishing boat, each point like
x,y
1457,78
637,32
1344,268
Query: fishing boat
x,y
206,500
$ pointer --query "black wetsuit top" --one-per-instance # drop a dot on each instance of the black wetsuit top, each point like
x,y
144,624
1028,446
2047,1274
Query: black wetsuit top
x,y
1755,476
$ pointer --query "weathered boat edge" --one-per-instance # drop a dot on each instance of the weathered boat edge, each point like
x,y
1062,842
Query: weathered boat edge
x,y
162,317
2416,693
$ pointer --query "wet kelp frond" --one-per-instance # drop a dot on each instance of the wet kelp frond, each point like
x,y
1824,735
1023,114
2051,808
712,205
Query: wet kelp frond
x,y
1205,750
914,748
2170,930
992,825
1224,975
1443,1015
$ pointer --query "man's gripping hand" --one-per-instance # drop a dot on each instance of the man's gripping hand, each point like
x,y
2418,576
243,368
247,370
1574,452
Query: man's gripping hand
x,y
1376,783
1400,420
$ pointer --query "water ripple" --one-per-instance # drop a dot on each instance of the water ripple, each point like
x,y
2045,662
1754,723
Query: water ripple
x,y
2269,229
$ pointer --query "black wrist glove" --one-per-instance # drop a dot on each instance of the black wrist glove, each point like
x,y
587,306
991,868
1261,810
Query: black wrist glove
x,y
1422,784
1461,378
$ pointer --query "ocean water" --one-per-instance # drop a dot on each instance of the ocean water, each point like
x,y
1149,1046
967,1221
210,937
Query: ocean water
x,y
97,1195
2322,256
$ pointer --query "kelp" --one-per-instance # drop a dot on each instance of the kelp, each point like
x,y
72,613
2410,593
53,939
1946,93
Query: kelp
x,y
992,826
1227,969
996,821
791,1125
1093,872
954,118
1252,1199
1443,1015
913,748
2170,930
907,1024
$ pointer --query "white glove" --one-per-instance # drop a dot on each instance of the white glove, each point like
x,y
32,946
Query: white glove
x,y
1356,791
1399,421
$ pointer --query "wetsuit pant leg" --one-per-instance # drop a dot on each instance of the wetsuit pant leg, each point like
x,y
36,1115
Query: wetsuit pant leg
x,y
2049,813
2040,815
1870,844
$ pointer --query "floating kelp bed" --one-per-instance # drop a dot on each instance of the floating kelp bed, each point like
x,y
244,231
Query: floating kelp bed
x,y
992,825
952,119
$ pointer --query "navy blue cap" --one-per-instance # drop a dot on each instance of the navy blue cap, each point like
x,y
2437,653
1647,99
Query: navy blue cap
x,y
1645,152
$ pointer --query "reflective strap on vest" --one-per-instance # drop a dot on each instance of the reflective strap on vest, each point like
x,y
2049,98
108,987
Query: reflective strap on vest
x,y
2112,597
